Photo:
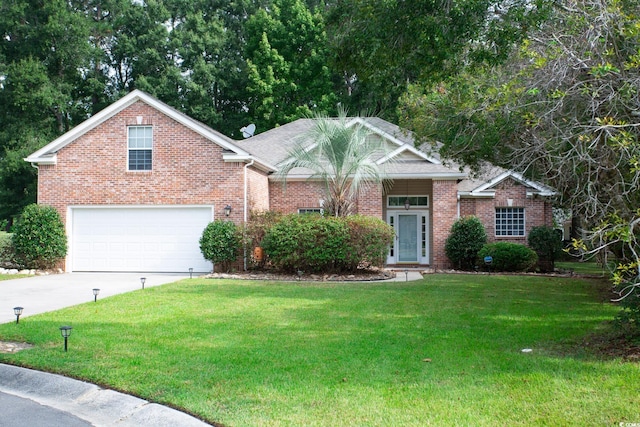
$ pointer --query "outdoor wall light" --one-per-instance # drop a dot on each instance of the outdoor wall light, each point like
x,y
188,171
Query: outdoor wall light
x,y
65,331
142,280
96,291
17,311
190,272
227,210
407,203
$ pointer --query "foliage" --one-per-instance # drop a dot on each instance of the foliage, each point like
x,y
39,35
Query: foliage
x,y
256,228
7,251
508,256
465,240
39,237
287,60
309,243
563,110
548,245
220,243
369,240
381,46
342,155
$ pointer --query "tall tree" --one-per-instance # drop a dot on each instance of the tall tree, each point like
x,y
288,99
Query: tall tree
x,y
287,64
564,109
381,46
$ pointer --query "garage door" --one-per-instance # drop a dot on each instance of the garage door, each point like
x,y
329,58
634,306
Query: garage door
x,y
138,239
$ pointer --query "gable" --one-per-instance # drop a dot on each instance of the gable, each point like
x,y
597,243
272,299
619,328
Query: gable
x,y
231,151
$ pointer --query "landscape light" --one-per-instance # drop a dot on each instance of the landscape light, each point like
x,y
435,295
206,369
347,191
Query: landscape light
x,y
17,311
96,291
191,273
65,331
142,280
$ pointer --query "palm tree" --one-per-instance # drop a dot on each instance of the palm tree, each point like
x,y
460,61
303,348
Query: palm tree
x,y
341,153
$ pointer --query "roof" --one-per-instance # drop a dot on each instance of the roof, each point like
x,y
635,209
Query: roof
x,y
267,149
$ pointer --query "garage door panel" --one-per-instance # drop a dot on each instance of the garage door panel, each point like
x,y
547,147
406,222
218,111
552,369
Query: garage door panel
x,y
139,239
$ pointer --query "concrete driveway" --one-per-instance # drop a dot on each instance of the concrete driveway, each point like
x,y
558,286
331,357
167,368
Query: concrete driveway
x,y
40,294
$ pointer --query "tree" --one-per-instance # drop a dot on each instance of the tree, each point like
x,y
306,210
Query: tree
x,y
381,46
342,155
564,109
287,62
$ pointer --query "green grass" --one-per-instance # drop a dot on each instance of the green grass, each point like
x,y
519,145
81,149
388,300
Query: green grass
x,y
590,268
441,351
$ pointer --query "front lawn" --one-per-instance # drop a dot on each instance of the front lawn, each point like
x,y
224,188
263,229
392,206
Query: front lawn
x,y
446,350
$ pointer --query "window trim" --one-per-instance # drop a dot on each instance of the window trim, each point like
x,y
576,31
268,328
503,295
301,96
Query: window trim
x,y
401,200
507,230
139,149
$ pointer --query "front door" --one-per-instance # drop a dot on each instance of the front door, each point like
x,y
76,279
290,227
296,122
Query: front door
x,y
411,244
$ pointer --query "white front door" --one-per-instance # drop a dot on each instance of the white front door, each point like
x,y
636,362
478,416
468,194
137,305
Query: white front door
x,y
411,245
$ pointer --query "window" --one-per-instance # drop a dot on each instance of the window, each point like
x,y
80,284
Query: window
x,y
509,221
414,201
310,211
140,145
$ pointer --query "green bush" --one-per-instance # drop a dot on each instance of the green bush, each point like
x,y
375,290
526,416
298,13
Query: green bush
x,y
369,240
254,230
7,252
548,245
466,239
220,243
39,238
508,256
309,243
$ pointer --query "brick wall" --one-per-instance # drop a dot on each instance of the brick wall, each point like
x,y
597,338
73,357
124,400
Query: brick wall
x,y
537,211
296,194
445,213
187,168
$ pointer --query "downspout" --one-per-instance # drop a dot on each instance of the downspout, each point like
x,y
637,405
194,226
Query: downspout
x,y
458,205
246,211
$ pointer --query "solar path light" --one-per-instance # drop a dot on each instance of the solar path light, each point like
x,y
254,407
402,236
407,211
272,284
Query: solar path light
x,y
96,291
142,280
17,311
65,331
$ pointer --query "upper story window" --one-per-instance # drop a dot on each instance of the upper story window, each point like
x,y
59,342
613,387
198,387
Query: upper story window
x,y
140,148
510,222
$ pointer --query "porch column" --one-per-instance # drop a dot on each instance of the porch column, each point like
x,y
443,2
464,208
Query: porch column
x,y
445,213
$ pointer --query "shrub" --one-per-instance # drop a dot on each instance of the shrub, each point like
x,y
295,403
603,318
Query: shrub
x,y
508,256
548,245
220,243
466,239
255,229
369,240
7,252
309,243
39,238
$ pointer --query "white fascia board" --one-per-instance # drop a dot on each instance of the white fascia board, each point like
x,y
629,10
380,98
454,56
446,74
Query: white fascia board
x,y
439,176
402,145
541,189
476,194
411,149
236,158
44,154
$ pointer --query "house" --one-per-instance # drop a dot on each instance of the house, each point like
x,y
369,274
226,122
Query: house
x,y
137,183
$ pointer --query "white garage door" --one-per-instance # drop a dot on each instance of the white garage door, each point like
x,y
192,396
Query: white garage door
x,y
139,239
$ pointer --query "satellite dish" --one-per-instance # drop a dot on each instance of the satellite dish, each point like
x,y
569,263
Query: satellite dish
x,y
248,131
